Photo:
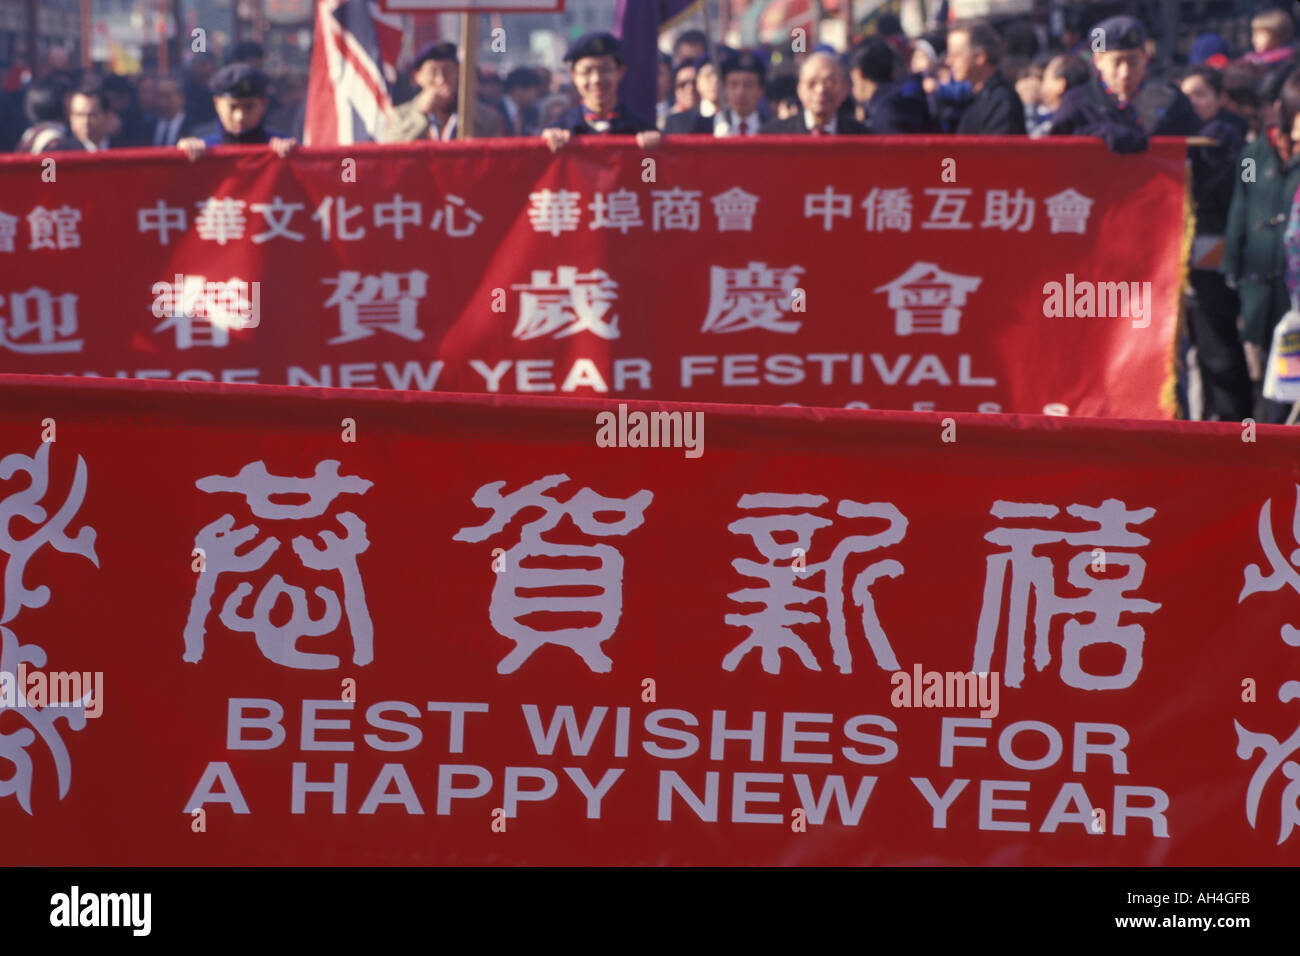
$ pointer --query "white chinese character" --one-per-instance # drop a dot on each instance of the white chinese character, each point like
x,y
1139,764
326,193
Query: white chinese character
x,y
554,212
676,209
735,210
1113,543
540,576
449,210
1279,754
162,219
751,298
949,204
569,304
619,210
828,204
787,593
8,232
324,215
888,209
927,299
194,327
277,213
35,508
1068,211
398,214
1002,210
1283,755
54,228
220,541
224,305
33,311
220,220
1281,570
388,301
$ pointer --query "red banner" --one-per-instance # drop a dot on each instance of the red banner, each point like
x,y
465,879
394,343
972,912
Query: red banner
x,y
908,273
296,626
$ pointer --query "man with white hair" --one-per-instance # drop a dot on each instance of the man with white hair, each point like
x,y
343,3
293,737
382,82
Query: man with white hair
x,y
823,85
974,52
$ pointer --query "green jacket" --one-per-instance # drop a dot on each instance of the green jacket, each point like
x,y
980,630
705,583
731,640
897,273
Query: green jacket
x,y
1253,255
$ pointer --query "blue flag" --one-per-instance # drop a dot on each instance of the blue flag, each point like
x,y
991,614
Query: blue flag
x,y
637,24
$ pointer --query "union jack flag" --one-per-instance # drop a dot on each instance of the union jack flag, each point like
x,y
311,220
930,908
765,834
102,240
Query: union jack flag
x,y
352,64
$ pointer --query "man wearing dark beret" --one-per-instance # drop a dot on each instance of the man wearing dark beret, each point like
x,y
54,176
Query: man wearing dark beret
x,y
240,96
1117,105
596,69
432,113
744,76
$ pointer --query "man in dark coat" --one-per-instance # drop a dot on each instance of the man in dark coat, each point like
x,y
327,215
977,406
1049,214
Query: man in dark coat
x,y
240,99
1254,257
596,67
1118,106
887,106
823,84
974,51
1212,307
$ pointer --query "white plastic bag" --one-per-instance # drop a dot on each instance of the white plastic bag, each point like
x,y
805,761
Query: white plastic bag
x,y
1282,375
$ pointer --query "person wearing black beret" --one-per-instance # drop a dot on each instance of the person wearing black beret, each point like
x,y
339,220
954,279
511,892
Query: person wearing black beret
x,y
240,94
596,67
744,76
1118,105
432,113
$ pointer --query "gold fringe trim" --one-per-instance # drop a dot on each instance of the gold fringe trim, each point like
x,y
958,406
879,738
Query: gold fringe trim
x,y
1169,394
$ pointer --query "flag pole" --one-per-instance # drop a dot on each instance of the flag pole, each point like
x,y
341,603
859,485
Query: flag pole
x,y
468,75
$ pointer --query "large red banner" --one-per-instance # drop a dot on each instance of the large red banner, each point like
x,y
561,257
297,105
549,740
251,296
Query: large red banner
x,y
906,273
325,626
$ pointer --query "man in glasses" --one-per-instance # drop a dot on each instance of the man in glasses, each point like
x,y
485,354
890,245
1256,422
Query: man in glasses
x,y
597,68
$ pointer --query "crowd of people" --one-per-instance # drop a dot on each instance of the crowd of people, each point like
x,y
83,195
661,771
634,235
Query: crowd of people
x,y
1098,80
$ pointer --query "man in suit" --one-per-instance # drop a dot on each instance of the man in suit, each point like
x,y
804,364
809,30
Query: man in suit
x,y
743,76
974,51
87,117
743,79
432,113
823,84
685,113
172,123
523,88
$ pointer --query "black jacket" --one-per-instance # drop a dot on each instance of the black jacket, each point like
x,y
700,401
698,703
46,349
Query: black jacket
x,y
795,126
623,123
1159,109
1215,170
996,110
688,121
899,108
